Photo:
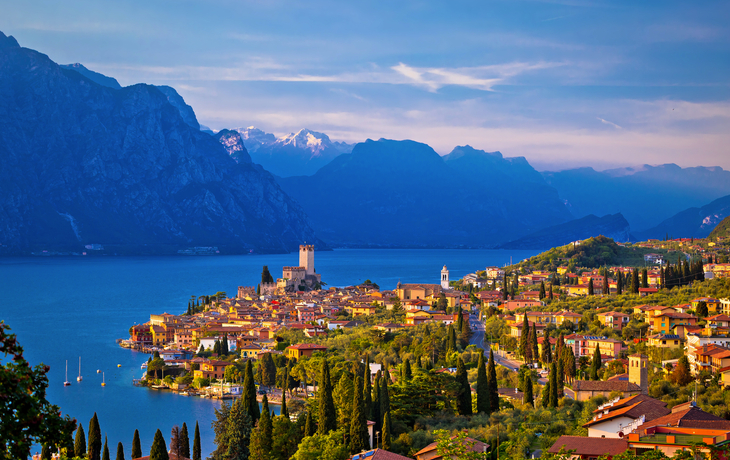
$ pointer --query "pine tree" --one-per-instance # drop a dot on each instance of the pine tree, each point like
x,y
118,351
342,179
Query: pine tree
x,y
493,386
569,367
105,451
233,432
327,412
359,439
534,350
120,451
528,397
261,440
387,441
136,445
184,441
217,347
595,364
196,443
159,448
450,339
553,401
80,443
464,334
224,345
266,275
94,449
541,294
560,377
463,401
367,390
550,295
619,283
644,278
384,393
482,385
309,425
249,394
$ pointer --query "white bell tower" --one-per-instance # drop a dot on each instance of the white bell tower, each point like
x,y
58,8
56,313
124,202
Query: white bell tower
x,y
445,278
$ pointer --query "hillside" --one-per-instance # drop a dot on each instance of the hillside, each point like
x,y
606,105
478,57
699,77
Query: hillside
x,y
690,223
83,163
613,226
722,230
591,253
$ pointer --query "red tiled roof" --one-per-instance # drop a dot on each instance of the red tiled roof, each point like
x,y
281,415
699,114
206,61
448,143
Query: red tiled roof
x,y
378,454
604,385
693,417
591,447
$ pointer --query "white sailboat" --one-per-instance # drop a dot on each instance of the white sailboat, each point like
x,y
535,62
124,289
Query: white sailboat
x,y
66,383
102,380
79,378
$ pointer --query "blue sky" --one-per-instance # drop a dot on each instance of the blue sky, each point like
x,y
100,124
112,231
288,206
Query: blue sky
x,y
563,83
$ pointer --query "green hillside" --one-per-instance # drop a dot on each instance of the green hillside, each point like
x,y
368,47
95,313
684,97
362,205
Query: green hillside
x,y
592,253
722,230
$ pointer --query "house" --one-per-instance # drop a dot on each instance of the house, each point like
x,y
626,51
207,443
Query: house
x,y
389,327
578,290
664,322
513,305
589,448
614,319
332,325
713,305
418,291
417,317
378,454
643,292
250,351
586,389
511,394
303,349
515,330
665,341
430,452
613,419
211,369
717,321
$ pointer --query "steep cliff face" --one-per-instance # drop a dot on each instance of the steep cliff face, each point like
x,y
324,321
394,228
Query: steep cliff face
x,y
81,163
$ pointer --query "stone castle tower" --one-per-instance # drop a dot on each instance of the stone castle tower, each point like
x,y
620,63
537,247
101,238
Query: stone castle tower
x,y
638,372
306,258
444,278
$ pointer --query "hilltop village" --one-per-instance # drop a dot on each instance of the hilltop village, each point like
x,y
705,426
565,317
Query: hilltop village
x,y
563,355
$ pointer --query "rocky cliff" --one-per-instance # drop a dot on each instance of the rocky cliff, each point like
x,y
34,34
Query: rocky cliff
x,y
82,163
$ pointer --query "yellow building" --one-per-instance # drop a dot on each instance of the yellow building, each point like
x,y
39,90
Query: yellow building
x,y
418,291
303,349
211,369
578,290
665,341
665,322
362,309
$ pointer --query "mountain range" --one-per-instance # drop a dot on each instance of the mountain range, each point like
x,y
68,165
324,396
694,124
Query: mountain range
x,y
127,168
691,223
612,226
297,154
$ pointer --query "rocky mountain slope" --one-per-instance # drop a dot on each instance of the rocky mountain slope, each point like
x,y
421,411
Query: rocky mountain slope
x,y
690,223
82,163
611,226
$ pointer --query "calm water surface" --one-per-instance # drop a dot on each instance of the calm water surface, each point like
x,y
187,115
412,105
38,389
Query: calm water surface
x,y
63,308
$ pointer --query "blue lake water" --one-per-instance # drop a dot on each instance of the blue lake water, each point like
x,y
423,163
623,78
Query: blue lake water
x,y
65,307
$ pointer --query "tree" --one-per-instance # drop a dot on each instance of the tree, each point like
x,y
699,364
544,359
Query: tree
x,y
105,452
644,278
463,400
553,386
457,446
387,440
702,310
569,366
595,364
560,377
547,354
407,374
482,385
196,443
268,370
368,388
534,350
94,449
136,445
284,411
261,437
285,438
327,412
175,446
525,349
493,386
550,294
249,394
266,275
619,283
681,374
120,451
309,425
605,288
237,426
529,398
159,448
376,414
359,439
541,294
384,393
224,345
23,404
635,281
545,397
450,339
322,447
80,443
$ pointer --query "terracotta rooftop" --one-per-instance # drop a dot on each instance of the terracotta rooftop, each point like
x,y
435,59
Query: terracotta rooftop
x,y
378,454
692,417
590,447
604,385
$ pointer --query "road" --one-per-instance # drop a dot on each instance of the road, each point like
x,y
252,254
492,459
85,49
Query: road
x,y
477,338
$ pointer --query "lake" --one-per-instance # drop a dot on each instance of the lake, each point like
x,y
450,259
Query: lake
x,y
65,307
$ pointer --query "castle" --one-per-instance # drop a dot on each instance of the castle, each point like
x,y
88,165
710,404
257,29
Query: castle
x,y
301,278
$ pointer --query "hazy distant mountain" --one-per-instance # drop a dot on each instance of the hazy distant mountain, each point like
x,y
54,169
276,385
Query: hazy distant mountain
x,y
233,143
96,77
402,193
690,223
82,163
296,154
491,167
645,195
611,226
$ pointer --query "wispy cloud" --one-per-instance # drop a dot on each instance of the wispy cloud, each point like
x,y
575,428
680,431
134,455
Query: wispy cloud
x,y
606,122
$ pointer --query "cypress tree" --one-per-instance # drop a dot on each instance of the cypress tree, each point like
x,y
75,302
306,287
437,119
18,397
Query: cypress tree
x,y
450,339
376,417
407,374
606,290
569,367
560,377
619,283
136,445
120,451
94,449
595,364
159,448
384,393
284,411
196,443
635,281
525,340
105,452
550,295
529,398
482,386
493,386
463,401
387,441
359,439
250,404
644,278
45,452
553,386
547,353
224,345
545,399
327,412
184,441
309,425
367,390
80,442
217,347
534,350
261,438
541,294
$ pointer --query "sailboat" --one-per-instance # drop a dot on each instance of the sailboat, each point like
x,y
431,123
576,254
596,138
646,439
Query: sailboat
x,y
66,383
79,378
102,380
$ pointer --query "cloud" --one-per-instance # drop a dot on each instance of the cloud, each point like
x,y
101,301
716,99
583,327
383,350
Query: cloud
x,y
609,123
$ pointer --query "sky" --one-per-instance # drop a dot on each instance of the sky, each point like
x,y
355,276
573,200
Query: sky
x,y
563,83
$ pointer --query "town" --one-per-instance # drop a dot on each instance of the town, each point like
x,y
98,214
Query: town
x,y
562,355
